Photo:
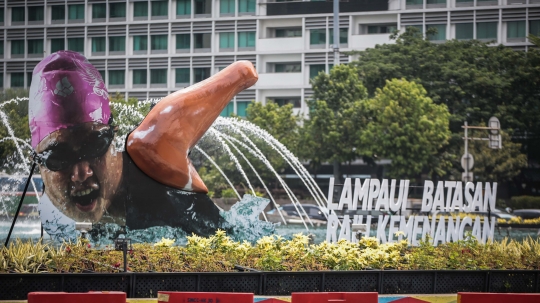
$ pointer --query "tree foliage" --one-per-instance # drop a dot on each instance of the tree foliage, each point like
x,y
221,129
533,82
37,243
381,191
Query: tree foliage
x,y
17,118
404,126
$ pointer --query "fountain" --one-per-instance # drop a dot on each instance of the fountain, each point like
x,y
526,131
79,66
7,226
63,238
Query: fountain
x,y
232,137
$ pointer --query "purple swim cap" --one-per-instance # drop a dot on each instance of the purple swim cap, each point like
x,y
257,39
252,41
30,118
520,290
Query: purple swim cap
x,y
66,90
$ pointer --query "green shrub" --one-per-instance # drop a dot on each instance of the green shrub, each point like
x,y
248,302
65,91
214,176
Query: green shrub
x,y
524,202
228,193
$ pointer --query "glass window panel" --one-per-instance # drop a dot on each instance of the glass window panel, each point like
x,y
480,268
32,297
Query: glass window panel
x,y
203,6
226,40
57,44
343,35
486,30
117,10
58,12
183,7
76,44
159,8
1,16
159,42
534,27
35,46
201,73
295,101
441,32
158,76
226,6
202,40
436,2
99,11
35,13
98,44
464,31
17,14
246,39
140,43
28,79
75,11
182,75
182,41
17,79
246,6
17,47
1,47
288,32
228,110
117,44
288,67
381,29
117,77
139,76
102,74
1,80
415,2
241,107
515,29
314,70
140,9
317,36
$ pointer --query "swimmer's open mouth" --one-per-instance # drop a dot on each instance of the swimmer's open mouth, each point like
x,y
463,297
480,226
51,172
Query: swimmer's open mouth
x,y
86,200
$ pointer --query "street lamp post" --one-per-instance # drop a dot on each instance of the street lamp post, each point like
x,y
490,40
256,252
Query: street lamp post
x,y
495,142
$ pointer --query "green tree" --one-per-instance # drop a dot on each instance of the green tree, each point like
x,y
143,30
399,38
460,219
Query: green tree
x,y
329,133
16,114
406,127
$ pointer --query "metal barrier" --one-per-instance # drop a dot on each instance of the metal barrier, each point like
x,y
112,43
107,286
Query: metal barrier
x,y
146,285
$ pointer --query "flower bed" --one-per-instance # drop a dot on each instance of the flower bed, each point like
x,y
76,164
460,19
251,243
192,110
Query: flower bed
x,y
219,253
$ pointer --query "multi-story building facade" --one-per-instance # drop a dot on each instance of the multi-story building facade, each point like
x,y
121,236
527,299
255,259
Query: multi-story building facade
x,y
150,48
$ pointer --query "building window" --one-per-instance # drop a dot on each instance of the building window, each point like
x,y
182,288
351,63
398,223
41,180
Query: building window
x,y
76,44
17,15
57,44
2,48
159,42
140,43
343,36
183,7
17,47
288,32
515,29
28,79
58,12
35,13
102,74
98,45
314,70
182,75
293,67
486,30
35,46
435,2
139,77
241,108
203,7
226,40
183,41
295,101
1,17
464,31
117,77
160,8
415,2
17,79
201,73
317,36
140,9
99,11
1,80
202,40
228,110
246,39
246,6
117,44
534,27
441,32
117,10
381,29
76,12
226,7
158,76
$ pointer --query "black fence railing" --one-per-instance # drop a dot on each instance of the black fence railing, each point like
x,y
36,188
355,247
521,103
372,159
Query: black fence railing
x,y
146,285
